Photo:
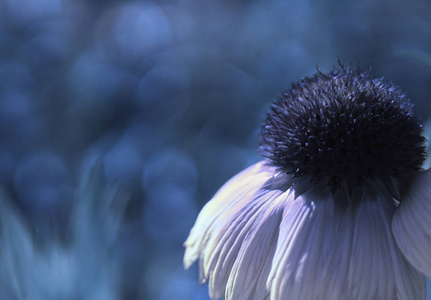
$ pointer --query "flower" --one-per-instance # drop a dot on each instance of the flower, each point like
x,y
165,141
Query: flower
x,y
338,209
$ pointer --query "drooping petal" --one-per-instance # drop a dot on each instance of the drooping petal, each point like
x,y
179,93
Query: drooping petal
x,y
223,224
230,256
325,254
231,192
412,223
247,279
255,240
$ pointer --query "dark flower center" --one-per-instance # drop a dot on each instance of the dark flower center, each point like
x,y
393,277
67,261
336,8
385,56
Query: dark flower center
x,y
343,130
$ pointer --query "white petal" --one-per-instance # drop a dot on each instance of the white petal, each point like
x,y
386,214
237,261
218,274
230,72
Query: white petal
x,y
248,276
238,186
255,241
236,236
327,254
222,224
412,223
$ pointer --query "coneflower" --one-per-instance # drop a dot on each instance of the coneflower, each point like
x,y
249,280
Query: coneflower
x,y
338,209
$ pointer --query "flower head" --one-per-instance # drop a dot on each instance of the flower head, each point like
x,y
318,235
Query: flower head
x,y
343,131
319,217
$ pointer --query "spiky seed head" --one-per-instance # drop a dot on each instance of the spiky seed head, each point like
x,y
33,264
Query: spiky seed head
x,y
343,129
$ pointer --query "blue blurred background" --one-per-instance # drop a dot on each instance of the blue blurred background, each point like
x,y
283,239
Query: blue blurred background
x,y
153,105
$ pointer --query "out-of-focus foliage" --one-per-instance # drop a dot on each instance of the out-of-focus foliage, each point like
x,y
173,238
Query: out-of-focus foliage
x,y
85,267
170,96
